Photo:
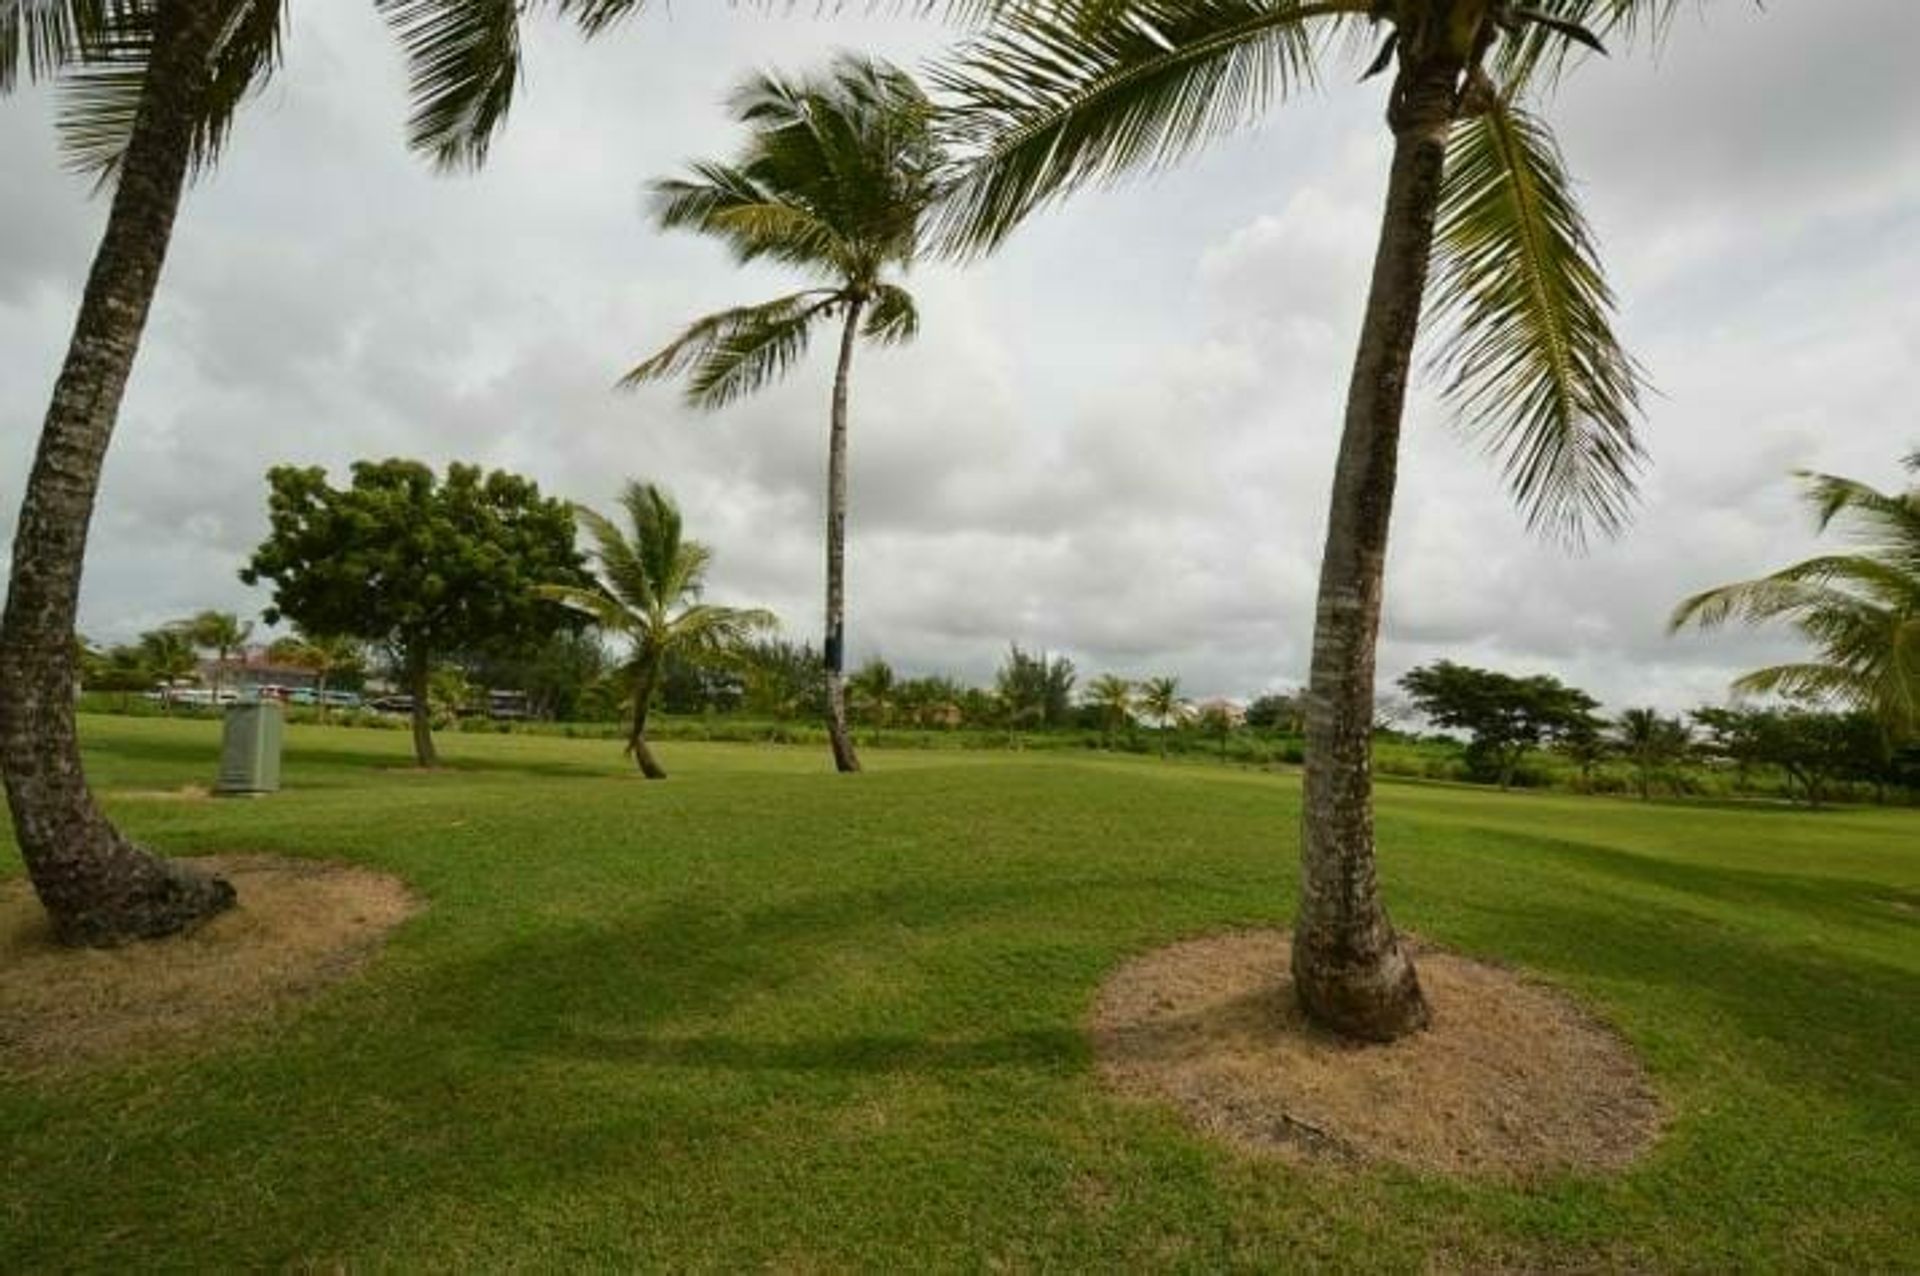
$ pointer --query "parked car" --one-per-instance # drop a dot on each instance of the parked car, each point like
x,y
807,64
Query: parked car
x,y
391,704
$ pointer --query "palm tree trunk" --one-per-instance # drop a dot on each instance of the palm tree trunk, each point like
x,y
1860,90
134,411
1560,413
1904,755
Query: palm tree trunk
x,y
419,668
1352,974
844,758
642,703
97,886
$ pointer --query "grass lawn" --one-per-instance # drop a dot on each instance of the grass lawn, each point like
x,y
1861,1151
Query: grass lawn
x,y
764,1016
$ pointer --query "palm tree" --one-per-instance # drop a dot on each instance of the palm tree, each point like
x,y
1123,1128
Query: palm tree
x,y
1651,743
1860,611
650,582
327,656
1160,699
168,655
222,633
835,176
1113,697
1065,93
151,89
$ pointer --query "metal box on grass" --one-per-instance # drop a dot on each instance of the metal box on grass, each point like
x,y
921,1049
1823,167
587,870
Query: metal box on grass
x,y
250,749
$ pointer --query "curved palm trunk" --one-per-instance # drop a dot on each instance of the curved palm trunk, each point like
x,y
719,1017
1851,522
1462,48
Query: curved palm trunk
x,y
642,702
844,758
97,886
1352,974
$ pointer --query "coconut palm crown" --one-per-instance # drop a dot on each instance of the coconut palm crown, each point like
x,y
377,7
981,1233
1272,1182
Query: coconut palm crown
x,y
1481,241
1860,611
650,581
834,180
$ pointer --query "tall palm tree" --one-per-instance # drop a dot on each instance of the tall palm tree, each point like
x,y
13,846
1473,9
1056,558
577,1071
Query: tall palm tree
x,y
222,633
1113,697
150,92
835,176
1160,699
1063,93
168,655
1860,611
650,581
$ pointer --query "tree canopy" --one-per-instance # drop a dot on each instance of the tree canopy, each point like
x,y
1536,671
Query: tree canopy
x,y
424,566
1504,715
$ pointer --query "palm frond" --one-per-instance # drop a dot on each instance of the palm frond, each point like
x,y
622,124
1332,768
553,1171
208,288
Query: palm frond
x,y
603,611
1807,680
1058,95
735,352
892,319
105,82
1528,350
42,37
1546,37
463,65
622,570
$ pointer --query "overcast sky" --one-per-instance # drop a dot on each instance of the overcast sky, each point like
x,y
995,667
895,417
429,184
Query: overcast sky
x,y
1115,439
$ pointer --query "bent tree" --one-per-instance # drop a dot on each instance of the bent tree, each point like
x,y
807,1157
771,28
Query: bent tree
x,y
835,177
149,93
647,590
1057,95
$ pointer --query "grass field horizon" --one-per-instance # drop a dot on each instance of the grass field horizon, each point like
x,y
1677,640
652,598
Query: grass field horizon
x,y
760,1015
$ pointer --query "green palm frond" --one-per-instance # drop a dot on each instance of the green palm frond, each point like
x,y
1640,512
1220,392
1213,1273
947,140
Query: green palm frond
x,y
623,572
463,64
1086,90
754,222
892,319
1531,361
1859,611
596,606
735,352
1539,44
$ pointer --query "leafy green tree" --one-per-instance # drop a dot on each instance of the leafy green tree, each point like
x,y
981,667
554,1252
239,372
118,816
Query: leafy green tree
x,y
784,679
1583,743
836,174
1505,716
426,567
1034,690
933,701
1065,93
1216,722
151,91
650,578
1652,743
221,633
1859,611
1278,711
874,689
1112,698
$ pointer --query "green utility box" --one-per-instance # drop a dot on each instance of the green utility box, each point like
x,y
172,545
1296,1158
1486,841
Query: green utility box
x,y
250,748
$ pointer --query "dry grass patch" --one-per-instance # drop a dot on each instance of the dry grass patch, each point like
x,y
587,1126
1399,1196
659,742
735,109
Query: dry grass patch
x,y
299,926
1511,1079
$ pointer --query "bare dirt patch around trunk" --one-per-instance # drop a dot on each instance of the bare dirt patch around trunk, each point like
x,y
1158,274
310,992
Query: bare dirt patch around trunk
x,y
299,926
1511,1080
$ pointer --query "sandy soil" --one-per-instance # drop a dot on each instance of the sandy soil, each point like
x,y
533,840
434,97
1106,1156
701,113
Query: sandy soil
x,y
299,926
1512,1079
